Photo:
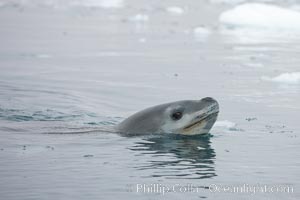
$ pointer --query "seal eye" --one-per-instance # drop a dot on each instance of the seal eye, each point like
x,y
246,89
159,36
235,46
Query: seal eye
x,y
176,115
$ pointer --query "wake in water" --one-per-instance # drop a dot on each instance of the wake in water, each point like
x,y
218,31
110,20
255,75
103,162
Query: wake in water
x,y
54,122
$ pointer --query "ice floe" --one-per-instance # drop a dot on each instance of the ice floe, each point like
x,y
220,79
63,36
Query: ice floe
x,y
142,40
234,2
139,18
226,124
295,7
201,31
228,1
175,10
261,16
99,3
287,78
66,3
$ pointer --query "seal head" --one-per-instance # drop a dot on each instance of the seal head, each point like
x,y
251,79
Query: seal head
x,y
188,117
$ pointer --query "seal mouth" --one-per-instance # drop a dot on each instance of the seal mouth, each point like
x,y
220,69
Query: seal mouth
x,y
204,117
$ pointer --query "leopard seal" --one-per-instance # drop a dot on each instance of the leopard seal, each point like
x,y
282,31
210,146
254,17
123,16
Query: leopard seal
x,y
187,117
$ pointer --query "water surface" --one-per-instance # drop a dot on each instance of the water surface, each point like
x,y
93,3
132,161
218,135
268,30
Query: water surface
x,y
70,71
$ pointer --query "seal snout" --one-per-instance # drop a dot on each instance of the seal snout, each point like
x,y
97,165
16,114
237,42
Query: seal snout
x,y
211,102
209,99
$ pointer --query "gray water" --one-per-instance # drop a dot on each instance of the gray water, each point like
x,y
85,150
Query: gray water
x,y
71,71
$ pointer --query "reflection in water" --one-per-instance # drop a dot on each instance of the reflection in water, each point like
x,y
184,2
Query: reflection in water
x,y
176,156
